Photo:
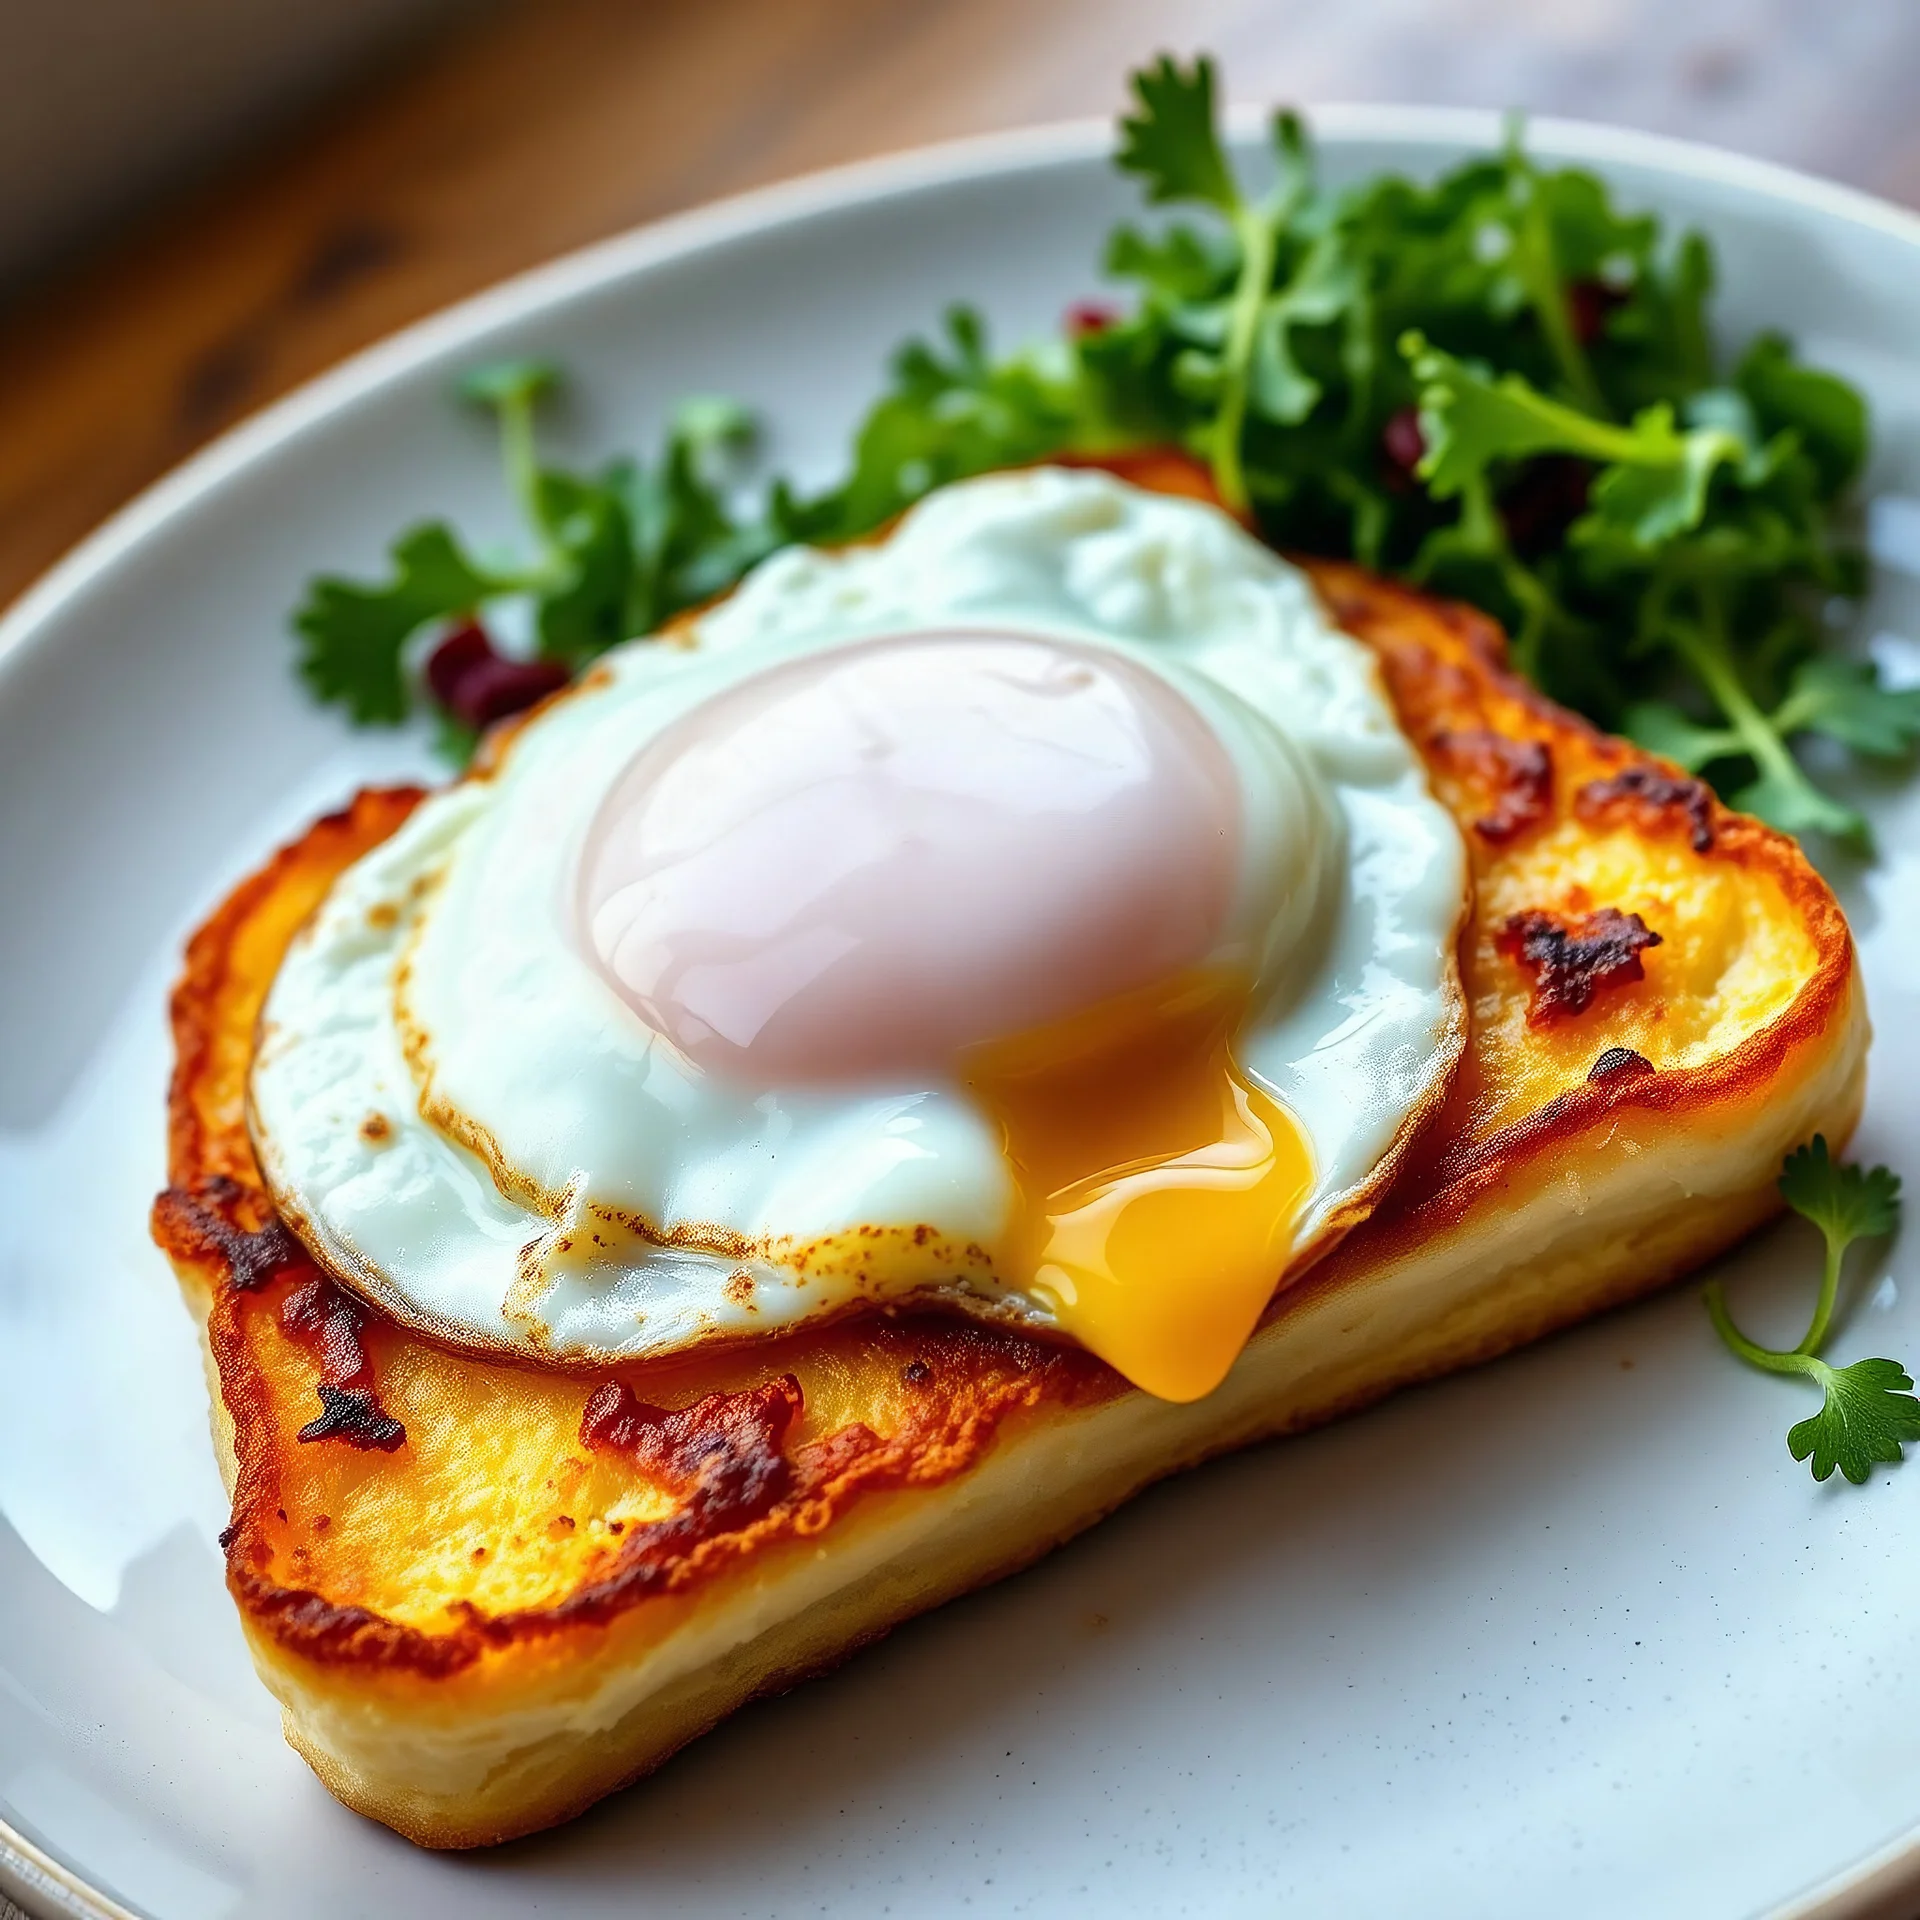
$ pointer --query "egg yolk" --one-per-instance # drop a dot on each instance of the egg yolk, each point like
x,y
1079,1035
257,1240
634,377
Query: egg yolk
x,y
1158,1186
857,863
998,858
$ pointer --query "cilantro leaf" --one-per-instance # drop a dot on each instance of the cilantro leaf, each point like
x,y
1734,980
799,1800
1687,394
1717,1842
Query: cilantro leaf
x,y
509,383
687,543
1868,1415
952,412
352,636
1660,490
584,609
1539,272
1844,700
713,429
1784,797
1228,334
1471,418
617,553
1656,341
1868,1412
583,584
1182,266
1846,1203
1654,478
1322,291
1662,728
1169,138
1651,503
1828,417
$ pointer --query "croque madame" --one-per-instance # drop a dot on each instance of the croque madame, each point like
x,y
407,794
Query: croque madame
x,y
490,1587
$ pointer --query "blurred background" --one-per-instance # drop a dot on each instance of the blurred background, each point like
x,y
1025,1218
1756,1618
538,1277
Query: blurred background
x,y
203,202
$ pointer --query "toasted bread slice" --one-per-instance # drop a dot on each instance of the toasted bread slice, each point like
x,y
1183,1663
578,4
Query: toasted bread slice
x,y
487,1594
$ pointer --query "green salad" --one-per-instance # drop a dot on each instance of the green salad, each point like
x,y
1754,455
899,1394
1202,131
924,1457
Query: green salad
x,y
1498,386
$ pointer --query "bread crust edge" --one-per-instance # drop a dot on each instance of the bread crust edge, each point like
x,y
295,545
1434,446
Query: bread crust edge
x,y
1523,1261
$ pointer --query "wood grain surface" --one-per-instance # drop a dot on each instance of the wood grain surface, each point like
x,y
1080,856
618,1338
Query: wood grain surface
x,y
537,126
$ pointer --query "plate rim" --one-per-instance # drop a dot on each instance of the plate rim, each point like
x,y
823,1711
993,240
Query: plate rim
x,y
586,269
1869,1887
31,1873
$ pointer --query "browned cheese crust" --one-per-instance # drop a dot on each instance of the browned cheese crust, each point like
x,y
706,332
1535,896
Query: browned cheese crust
x,y
425,1544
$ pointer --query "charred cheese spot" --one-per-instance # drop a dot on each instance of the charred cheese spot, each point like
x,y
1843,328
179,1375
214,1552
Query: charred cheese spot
x,y
330,1323
1570,962
1511,779
1619,1060
197,1221
353,1414
1652,799
725,1454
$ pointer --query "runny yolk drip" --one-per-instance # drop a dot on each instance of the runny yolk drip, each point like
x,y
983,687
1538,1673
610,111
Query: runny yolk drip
x,y
1158,1187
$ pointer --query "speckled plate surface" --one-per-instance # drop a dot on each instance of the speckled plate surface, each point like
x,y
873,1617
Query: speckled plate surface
x,y
1569,1635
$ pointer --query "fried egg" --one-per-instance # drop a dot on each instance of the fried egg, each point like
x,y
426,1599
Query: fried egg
x,y
1037,913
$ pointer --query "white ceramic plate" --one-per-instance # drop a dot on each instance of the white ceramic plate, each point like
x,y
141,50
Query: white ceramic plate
x,y
1570,1635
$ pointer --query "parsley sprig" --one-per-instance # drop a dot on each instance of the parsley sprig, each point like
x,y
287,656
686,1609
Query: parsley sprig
x,y
1498,384
1868,1411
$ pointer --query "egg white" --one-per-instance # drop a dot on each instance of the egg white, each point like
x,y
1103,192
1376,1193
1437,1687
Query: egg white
x,y
549,1176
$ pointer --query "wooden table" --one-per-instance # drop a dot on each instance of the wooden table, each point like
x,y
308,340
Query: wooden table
x,y
542,124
